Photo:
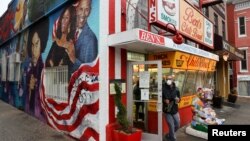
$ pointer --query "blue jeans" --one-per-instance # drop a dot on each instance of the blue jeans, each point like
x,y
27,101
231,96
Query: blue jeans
x,y
173,124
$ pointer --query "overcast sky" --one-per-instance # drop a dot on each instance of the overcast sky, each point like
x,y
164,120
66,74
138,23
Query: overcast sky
x,y
3,6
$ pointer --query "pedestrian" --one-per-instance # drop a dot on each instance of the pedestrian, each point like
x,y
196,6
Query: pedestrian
x,y
171,98
138,103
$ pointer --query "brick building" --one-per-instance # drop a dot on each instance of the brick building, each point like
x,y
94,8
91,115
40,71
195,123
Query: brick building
x,y
238,17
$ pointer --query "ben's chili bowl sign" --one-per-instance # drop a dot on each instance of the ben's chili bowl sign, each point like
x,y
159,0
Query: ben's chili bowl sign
x,y
164,11
191,22
151,38
208,34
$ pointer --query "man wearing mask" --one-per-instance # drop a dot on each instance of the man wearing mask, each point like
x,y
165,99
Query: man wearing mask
x,y
171,98
86,45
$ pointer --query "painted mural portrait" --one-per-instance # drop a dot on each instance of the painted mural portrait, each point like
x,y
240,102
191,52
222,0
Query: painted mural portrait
x,y
20,14
86,44
37,40
63,40
57,33
35,9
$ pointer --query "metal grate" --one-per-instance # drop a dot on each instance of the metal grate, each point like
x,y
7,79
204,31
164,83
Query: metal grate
x,y
56,83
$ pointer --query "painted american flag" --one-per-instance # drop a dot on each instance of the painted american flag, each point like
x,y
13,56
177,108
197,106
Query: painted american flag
x,y
79,117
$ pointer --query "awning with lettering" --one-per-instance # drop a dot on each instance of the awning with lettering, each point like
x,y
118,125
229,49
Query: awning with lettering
x,y
184,61
222,46
142,41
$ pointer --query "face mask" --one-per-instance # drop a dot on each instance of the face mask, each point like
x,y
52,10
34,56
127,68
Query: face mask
x,y
169,82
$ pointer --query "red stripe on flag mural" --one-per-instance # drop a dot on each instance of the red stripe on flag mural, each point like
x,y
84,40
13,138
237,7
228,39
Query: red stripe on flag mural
x,y
92,109
83,85
89,132
73,106
56,120
83,68
57,106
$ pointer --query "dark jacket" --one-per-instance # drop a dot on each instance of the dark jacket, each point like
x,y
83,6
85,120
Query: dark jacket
x,y
170,93
137,92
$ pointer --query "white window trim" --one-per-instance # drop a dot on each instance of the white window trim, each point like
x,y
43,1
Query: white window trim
x,y
246,49
242,35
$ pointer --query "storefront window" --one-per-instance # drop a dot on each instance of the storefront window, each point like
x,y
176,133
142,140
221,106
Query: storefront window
x,y
190,83
179,78
209,83
166,72
201,78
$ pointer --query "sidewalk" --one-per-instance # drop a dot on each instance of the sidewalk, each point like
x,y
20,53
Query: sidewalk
x,y
15,125
237,113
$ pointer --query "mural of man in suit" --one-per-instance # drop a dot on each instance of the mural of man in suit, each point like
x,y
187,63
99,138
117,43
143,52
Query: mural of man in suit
x,y
86,44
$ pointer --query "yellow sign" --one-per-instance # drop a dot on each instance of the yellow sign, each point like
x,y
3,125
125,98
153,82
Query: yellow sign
x,y
212,65
181,60
204,64
191,22
198,63
152,106
194,62
186,101
166,57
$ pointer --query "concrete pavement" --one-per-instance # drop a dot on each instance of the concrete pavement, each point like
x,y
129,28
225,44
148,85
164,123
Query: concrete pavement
x,y
15,125
235,114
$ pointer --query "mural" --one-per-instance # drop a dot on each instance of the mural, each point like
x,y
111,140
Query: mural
x,y
22,13
37,39
135,10
7,25
65,40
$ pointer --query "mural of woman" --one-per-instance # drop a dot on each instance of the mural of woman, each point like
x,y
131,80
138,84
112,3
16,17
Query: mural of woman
x,y
64,39
37,40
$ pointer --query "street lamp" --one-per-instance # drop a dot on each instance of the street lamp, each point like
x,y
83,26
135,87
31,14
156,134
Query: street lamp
x,y
178,39
225,56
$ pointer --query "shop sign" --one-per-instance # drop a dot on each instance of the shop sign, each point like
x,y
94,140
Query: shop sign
x,y
186,101
166,57
226,46
196,51
132,56
152,106
208,34
194,62
164,11
232,49
198,63
151,38
204,64
187,19
212,65
237,53
181,60
191,21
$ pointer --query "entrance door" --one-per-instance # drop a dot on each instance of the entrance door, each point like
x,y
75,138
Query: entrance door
x,y
145,108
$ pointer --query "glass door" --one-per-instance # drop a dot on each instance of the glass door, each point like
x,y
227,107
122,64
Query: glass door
x,y
145,98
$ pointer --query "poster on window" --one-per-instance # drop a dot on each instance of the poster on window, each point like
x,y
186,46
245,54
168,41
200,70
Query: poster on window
x,y
144,94
144,79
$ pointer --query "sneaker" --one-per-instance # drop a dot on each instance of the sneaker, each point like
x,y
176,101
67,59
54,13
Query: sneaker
x,y
166,138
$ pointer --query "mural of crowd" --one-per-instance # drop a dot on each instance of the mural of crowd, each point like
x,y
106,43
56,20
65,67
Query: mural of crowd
x,y
67,36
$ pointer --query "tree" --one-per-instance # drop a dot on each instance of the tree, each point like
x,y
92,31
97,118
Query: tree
x,y
122,111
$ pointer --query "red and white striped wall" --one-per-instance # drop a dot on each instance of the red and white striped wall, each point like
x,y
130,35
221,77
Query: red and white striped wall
x,y
116,61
